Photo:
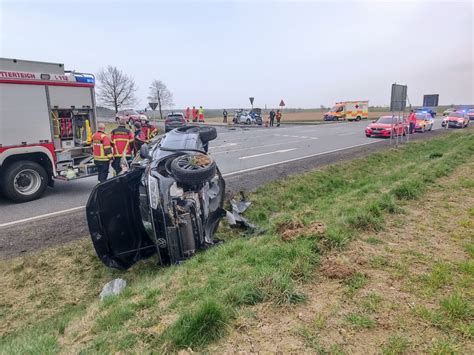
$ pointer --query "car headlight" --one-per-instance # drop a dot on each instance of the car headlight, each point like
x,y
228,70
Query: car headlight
x,y
153,191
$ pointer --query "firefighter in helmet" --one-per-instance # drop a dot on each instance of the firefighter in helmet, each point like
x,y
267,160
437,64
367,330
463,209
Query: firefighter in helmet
x,y
102,151
122,142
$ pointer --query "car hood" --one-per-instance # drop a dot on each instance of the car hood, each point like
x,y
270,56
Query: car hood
x,y
455,118
114,220
379,125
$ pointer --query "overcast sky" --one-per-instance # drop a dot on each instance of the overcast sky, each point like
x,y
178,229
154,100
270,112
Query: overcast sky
x,y
218,53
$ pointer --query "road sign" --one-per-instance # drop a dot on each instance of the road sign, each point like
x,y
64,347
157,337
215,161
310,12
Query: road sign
x,y
398,101
153,105
282,103
431,100
251,100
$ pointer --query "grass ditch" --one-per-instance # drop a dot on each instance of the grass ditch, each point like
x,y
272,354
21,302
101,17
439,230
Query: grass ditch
x,y
195,304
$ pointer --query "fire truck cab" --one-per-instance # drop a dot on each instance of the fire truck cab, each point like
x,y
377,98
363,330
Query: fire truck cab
x,y
47,116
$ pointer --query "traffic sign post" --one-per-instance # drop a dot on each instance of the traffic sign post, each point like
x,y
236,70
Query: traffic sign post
x,y
282,103
251,101
153,105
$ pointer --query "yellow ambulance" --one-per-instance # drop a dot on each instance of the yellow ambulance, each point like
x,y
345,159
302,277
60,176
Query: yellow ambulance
x,y
348,110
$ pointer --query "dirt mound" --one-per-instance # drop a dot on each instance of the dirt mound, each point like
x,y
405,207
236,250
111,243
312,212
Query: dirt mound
x,y
293,229
336,270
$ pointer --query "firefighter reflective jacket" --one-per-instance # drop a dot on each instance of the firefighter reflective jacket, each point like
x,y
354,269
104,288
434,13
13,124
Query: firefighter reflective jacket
x,y
122,141
101,147
150,132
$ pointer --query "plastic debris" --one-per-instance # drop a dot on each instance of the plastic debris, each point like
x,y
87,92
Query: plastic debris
x,y
234,218
112,288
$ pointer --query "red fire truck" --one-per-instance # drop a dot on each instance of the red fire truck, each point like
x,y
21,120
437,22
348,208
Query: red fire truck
x,y
47,117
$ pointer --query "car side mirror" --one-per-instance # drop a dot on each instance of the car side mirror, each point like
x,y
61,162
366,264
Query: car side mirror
x,y
144,152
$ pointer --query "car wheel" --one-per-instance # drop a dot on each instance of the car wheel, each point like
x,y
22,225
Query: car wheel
x,y
24,181
358,118
207,134
193,169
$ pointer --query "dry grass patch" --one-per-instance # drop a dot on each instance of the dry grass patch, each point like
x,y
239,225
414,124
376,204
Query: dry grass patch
x,y
413,291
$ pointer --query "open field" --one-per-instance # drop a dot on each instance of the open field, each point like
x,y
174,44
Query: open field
x,y
281,275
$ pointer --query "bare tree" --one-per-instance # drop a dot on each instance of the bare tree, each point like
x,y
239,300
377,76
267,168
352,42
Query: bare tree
x,y
160,94
116,88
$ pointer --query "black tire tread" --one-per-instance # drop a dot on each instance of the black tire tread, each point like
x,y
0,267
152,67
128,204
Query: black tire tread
x,y
9,174
207,134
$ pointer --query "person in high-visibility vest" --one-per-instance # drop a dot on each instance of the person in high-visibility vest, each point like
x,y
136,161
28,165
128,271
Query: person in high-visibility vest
x,y
187,114
201,114
122,142
139,138
149,131
195,114
102,151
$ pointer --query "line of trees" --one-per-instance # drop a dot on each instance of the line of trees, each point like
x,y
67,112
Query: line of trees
x,y
118,90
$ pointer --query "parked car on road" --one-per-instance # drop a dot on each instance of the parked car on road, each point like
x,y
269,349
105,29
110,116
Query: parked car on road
x,y
448,111
131,116
456,120
386,125
174,120
245,117
426,110
169,204
470,114
424,122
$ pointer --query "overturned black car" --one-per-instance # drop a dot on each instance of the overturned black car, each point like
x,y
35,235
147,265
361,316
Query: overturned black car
x,y
169,204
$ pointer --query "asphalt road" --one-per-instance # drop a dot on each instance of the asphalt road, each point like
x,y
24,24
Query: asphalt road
x,y
236,151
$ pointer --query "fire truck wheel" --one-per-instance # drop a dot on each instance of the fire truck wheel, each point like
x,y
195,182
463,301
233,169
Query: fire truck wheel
x,y
24,181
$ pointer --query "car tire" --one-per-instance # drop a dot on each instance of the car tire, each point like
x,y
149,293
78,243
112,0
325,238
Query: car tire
x,y
31,170
186,170
207,134
358,118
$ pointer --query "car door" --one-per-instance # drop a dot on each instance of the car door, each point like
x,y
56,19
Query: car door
x,y
115,223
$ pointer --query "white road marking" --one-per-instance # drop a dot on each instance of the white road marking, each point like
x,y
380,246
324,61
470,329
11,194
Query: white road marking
x,y
52,214
262,154
295,159
224,145
254,147
291,136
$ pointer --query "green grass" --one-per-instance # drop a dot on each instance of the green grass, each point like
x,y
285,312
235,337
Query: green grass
x,y
360,321
355,283
194,305
457,307
396,345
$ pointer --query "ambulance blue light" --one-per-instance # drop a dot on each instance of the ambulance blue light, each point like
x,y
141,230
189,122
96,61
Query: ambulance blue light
x,y
85,79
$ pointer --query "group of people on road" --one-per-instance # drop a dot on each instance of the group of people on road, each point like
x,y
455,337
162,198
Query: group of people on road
x,y
120,147
197,114
273,116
